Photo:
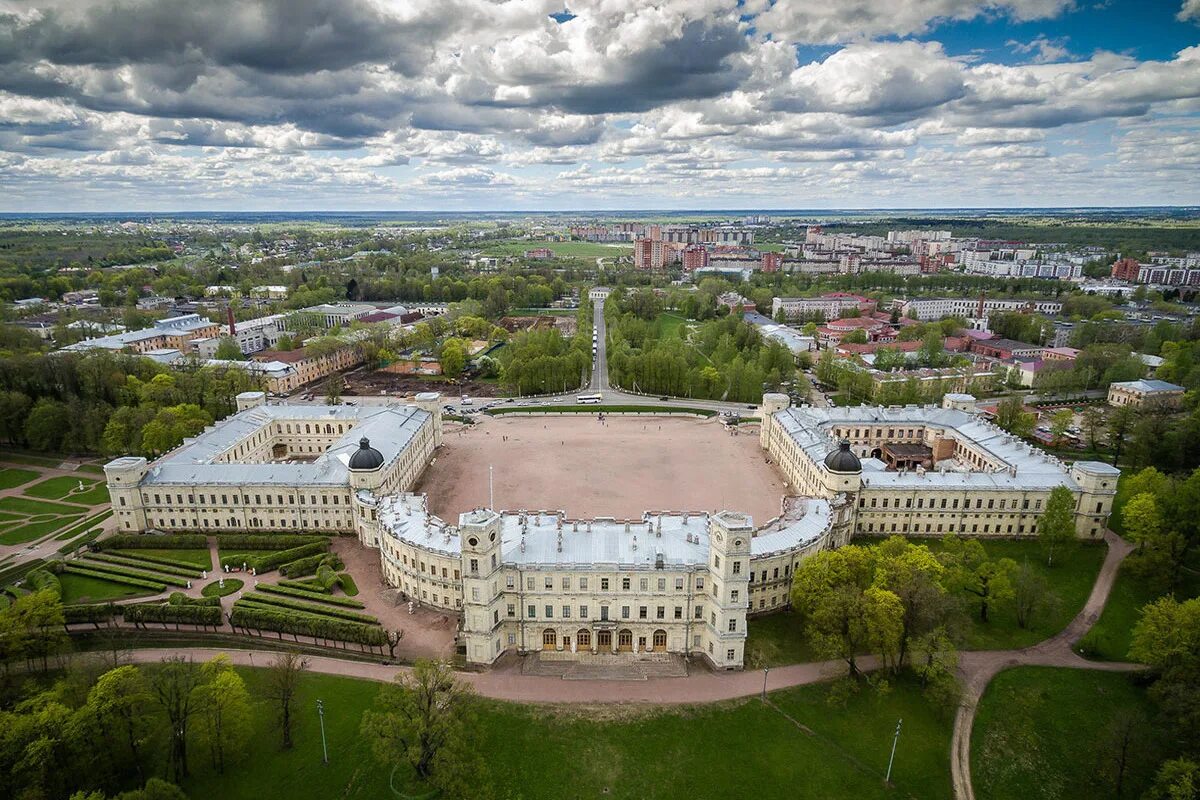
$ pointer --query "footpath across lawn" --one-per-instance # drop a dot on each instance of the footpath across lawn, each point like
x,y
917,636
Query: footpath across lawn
x,y
732,749
1043,733
1110,637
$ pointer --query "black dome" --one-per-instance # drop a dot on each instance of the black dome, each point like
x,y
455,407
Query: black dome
x,y
366,457
842,460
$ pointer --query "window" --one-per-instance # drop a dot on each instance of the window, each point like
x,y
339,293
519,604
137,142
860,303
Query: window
x,y
474,566
699,584
660,612
583,612
733,596
475,593
733,625
549,582
529,584
662,584
549,612
532,612
679,583
660,639
729,654
509,581
566,583
642,611
603,613
584,637
737,568
566,612
624,612
625,584
644,584
512,609
678,612
604,584
583,584
717,562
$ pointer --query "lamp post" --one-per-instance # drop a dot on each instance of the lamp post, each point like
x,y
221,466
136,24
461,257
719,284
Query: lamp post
x,y
892,758
324,747
765,671
491,490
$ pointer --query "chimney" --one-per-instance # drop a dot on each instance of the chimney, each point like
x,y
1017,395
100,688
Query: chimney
x,y
229,316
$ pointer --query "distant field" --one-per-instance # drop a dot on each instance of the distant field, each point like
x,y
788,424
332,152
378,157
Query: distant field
x,y
569,249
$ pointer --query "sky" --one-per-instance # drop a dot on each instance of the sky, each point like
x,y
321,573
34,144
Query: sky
x,y
305,105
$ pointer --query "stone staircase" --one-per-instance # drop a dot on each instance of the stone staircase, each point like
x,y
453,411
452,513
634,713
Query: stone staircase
x,y
620,667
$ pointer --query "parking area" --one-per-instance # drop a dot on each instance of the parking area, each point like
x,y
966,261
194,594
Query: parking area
x,y
618,468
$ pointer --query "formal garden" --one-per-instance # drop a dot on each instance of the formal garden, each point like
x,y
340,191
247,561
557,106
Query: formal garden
x,y
64,507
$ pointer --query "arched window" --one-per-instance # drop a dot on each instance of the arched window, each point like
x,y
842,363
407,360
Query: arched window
x,y
625,639
549,639
583,637
660,640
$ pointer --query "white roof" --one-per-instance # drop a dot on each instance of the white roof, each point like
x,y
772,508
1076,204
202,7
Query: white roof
x,y
390,428
549,539
1026,466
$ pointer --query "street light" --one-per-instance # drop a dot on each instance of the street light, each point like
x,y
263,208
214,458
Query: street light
x,y
765,671
324,747
892,758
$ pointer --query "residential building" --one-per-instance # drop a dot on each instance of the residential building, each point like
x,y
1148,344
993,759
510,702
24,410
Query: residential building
x,y
1145,393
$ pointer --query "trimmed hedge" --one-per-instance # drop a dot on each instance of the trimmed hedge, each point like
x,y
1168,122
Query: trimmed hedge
x,y
40,579
75,569
131,561
82,541
260,618
181,599
348,584
172,541
310,608
114,569
138,613
310,565
307,594
270,561
166,562
252,541
305,584
94,614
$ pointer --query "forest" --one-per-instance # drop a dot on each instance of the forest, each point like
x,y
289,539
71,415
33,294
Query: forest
x,y
724,358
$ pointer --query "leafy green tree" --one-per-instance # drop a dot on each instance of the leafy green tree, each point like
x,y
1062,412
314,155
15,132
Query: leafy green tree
x,y
453,357
225,711
173,685
229,350
333,389
1056,528
46,425
1032,596
1012,417
121,702
423,719
1120,421
912,572
1177,779
1060,421
844,611
968,569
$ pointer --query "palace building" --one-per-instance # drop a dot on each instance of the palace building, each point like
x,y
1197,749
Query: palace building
x,y
669,582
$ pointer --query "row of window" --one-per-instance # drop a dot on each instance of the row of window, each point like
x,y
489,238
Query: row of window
x,y
258,499
991,503
583,583
643,612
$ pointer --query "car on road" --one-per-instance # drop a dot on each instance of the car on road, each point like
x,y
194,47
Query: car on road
x,y
664,397
751,407
466,401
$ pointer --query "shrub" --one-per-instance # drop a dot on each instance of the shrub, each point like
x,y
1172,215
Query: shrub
x,y
75,569
268,562
137,561
164,560
307,585
310,608
348,584
181,599
309,565
40,579
171,541
139,613
252,616
89,613
258,541
306,594
114,569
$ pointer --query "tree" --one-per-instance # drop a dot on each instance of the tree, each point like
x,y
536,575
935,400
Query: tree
x,y
1177,779
1012,416
844,612
1031,595
422,719
1093,426
283,681
1119,423
120,700
174,684
1167,638
1060,421
453,357
1056,528
333,389
913,573
47,423
225,710
969,569
228,350
1123,744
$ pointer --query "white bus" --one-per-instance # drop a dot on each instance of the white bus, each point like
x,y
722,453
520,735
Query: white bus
x,y
588,399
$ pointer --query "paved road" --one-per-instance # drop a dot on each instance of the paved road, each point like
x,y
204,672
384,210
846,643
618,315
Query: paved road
x,y
600,363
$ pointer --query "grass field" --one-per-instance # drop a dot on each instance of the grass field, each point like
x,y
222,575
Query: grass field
x,y
85,589
775,640
58,488
215,589
1043,733
668,324
1112,634
1071,580
590,250
35,530
201,558
11,477
734,749
90,522
23,505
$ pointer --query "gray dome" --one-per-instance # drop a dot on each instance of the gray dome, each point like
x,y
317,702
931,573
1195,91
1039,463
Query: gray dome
x,y
366,457
842,460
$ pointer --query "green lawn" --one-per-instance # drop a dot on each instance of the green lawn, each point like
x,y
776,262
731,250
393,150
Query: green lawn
x,y
590,250
776,639
733,749
201,558
85,589
58,488
1112,634
1043,733
667,325
11,477
35,530
23,505
71,533
215,589
1071,579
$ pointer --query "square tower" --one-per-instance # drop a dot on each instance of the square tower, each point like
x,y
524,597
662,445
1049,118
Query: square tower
x,y
480,533
729,535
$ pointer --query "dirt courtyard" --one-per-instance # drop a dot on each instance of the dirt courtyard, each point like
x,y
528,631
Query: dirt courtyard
x,y
619,469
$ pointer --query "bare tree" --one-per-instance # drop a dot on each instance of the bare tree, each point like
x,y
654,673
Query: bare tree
x,y
174,685
283,681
